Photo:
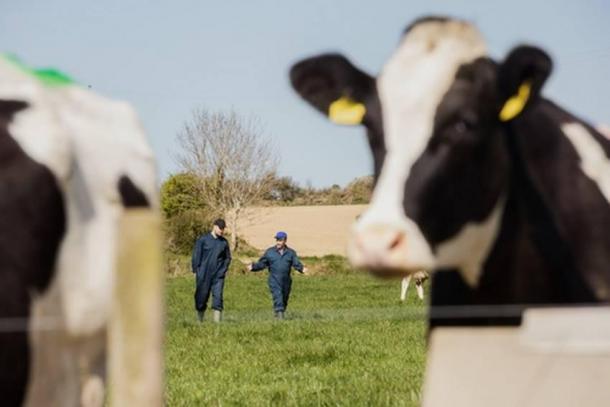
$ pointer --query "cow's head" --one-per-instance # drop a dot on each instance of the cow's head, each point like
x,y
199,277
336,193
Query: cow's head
x,y
435,118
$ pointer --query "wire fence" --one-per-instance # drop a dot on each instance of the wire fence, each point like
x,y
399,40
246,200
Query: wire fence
x,y
361,314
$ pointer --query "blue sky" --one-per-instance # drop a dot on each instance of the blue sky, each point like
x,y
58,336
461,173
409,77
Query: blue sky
x,y
169,57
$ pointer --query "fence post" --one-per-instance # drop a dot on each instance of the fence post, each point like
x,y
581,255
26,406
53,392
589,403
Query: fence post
x,y
136,327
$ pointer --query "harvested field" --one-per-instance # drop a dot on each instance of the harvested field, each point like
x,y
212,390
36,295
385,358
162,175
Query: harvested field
x,y
312,230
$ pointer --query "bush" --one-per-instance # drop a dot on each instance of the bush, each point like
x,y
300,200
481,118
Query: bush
x,y
180,193
183,229
359,191
285,191
331,264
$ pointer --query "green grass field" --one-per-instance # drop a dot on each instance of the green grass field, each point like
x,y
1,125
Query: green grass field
x,y
347,340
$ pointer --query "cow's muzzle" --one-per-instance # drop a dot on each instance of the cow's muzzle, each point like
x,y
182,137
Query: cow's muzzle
x,y
383,250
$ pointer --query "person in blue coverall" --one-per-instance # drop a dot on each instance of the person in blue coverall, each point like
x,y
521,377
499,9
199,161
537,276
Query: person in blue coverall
x,y
210,262
280,259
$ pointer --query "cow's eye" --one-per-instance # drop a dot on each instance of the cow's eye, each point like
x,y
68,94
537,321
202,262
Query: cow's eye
x,y
457,131
464,124
460,127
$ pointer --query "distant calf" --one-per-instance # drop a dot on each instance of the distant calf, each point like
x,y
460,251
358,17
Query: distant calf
x,y
419,277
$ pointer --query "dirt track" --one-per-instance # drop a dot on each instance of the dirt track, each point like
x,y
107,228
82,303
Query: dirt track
x,y
312,230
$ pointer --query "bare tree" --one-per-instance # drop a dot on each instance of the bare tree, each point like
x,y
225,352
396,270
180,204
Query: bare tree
x,y
233,160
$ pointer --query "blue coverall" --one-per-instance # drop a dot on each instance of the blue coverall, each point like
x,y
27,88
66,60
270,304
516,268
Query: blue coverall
x,y
210,262
279,280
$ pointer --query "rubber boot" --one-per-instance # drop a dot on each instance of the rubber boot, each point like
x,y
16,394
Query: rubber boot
x,y
200,316
279,314
217,315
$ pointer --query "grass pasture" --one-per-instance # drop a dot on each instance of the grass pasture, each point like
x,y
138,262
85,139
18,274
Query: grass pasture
x,y
347,340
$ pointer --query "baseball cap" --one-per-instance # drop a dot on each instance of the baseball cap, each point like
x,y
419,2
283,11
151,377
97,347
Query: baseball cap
x,y
220,223
281,236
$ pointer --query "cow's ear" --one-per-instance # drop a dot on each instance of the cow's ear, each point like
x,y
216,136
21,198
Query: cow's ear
x,y
334,86
520,78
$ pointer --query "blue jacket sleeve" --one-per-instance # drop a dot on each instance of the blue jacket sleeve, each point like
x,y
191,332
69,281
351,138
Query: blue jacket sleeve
x,y
197,252
227,260
296,263
261,264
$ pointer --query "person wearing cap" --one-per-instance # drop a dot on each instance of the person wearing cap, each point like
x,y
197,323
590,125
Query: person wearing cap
x,y
210,262
279,259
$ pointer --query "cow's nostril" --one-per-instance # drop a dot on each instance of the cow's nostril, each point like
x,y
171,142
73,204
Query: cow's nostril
x,y
397,240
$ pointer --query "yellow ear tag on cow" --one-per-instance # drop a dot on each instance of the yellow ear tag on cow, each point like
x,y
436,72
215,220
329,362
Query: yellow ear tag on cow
x,y
516,103
346,111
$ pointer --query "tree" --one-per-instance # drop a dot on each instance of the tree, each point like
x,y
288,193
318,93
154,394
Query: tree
x,y
233,161
283,190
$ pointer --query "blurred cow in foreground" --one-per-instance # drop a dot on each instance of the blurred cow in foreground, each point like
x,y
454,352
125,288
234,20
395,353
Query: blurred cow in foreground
x,y
502,192
71,163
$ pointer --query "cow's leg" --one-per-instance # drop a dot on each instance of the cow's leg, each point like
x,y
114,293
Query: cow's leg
x,y
15,367
405,286
93,371
92,394
420,289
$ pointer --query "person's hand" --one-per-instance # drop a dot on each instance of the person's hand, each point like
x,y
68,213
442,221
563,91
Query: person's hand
x,y
305,270
249,267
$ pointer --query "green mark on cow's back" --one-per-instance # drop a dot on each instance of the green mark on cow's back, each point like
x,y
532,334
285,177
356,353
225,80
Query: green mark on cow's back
x,y
48,76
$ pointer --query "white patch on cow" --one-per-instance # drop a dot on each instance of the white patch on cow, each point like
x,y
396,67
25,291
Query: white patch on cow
x,y
36,128
107,142
469,249
593,160
411,86
386,215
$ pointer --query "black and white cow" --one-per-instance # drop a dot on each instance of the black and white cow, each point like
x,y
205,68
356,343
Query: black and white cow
x,y
70,162
475,172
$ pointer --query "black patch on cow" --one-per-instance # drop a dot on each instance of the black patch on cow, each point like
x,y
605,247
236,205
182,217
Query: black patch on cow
x,y
325,78
8,108
464,168
374,133
131,195
542,227
554,241
32,225
424,20
574,202
455,303
529,265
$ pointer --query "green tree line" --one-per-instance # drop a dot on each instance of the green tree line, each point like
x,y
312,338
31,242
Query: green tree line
x,y
188,208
